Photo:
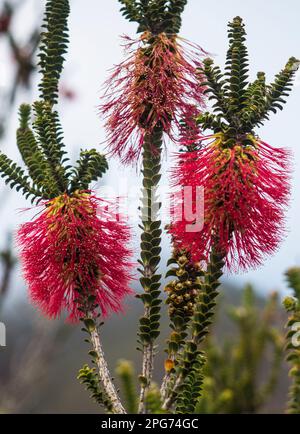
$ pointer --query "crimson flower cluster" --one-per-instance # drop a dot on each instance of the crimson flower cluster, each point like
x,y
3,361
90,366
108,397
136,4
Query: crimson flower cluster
x,y
76,248
246,191
152,88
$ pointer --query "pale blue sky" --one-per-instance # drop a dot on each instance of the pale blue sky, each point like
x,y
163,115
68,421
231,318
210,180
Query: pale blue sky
x,y
95,25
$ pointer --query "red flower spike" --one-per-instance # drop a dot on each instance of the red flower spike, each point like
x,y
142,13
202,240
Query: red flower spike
x,y
69,253
246,191
154,87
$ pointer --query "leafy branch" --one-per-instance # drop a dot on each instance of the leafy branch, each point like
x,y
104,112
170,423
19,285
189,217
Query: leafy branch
x,y
155,16
240,105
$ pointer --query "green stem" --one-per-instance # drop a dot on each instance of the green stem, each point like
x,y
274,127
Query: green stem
x,y
182,295
150,259
202,319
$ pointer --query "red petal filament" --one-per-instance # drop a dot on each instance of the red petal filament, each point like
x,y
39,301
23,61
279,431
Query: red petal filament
x,y
246,191
153,87
68,253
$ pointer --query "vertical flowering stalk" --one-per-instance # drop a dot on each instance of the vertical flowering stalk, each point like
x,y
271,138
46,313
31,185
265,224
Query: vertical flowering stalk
x,y
186,380
183,290
146,97
77,260
75,253
246,187
245,180
150,259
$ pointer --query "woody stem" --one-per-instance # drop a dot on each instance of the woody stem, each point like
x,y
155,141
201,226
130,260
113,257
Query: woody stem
x,y
103,371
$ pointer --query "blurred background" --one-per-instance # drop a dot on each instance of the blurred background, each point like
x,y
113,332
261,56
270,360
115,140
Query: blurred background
x,y
39,365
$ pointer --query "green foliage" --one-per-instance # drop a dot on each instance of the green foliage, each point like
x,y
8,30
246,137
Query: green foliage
x,y
281,86
190,392
292,305
192,358
182,295
205,303
155,16
40,142
150,241
126,373
49,137
15,177
37,165
153,400
236,67
186,379
54,43
90,167
293,278
240,106
232,369
88,377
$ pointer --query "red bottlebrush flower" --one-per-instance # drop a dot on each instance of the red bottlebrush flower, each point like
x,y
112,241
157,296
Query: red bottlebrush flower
x,y
154,87
69,253
246,191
